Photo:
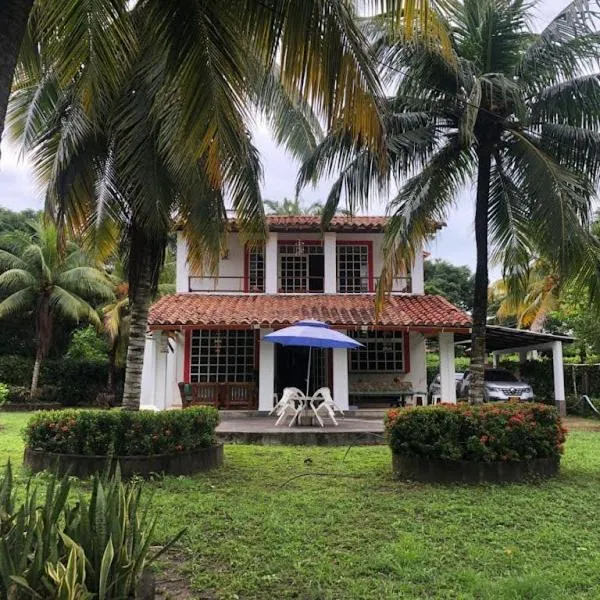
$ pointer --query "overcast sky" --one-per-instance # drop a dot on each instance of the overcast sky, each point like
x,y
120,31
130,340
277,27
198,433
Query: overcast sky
x,y
454,243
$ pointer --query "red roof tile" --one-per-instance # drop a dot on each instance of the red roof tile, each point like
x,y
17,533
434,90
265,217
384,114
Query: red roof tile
x,y
310,223
194,309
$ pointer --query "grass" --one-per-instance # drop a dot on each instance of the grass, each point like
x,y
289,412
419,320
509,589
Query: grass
x,y
359,534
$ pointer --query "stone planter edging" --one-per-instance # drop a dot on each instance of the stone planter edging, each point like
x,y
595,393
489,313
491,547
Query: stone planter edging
x,y
79,465
428,470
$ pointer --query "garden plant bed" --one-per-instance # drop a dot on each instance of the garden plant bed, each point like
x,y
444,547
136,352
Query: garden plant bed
x,y
80,465
490,443
427,470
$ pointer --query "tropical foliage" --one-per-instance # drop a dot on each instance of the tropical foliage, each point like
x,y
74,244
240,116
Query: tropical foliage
x,y
450,281
291,207
516,112
95,548
42,279
174,138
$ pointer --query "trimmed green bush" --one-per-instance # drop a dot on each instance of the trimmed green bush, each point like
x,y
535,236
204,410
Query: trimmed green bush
x,y
64,380
485,433
122,433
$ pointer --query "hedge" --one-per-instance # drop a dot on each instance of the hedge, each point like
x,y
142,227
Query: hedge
x,y
484,433
64,380
121,433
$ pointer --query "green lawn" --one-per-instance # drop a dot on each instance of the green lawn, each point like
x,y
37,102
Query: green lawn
x,y
361,534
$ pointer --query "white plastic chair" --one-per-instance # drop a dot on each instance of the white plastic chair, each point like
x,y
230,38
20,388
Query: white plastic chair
x,y
327,405
287,405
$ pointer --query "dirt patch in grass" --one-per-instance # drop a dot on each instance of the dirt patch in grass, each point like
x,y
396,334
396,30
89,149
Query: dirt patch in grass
x,y
581,424
173,578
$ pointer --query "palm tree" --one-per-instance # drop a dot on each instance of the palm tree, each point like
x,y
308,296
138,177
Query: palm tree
x,y
196,36
516,113
167,135
116,323
292,207
530,306
40,278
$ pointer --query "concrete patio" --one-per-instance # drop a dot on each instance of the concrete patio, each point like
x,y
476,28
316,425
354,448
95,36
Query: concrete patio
x,y
364,428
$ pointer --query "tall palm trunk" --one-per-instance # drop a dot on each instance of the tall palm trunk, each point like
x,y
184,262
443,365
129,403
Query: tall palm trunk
x,y
43,333
140,306
480,298
36,370
13,21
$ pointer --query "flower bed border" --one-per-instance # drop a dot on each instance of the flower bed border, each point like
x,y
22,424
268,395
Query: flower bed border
x,y
426,470
79,465
29,406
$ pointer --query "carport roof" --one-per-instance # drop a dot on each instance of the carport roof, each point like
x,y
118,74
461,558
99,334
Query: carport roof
x,y
504,338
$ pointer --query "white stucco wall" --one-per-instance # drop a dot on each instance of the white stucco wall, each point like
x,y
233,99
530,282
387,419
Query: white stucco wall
x,y
231,269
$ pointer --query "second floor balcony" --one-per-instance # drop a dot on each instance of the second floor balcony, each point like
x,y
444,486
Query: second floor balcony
x,y
241,284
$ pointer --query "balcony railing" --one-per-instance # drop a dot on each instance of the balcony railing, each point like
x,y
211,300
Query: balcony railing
x,y
225,284
294,285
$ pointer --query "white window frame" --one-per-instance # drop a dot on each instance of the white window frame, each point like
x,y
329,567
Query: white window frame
x,y
367,359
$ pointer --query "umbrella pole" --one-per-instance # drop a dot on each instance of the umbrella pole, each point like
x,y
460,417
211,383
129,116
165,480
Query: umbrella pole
x,y
308,371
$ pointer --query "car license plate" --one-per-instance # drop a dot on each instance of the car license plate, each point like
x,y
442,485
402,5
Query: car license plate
x,y
514,398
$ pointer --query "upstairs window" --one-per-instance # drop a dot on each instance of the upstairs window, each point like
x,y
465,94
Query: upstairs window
x,y
255,270
301,268
382,352
353,275
222,356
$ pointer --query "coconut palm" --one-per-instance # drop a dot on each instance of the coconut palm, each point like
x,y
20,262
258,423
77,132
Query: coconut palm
x,y
292,207
531,306
116,323
315,41
40,278
514,112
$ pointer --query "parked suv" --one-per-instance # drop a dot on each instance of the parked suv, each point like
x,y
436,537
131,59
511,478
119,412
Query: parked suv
x,y
499,385
435,387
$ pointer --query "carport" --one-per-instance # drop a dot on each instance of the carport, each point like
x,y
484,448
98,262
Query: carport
x,y
506,340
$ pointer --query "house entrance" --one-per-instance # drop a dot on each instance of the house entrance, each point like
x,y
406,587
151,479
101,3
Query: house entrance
x,y
291,363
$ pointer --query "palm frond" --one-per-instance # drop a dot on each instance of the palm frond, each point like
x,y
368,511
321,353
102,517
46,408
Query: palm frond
x,y
17,303
13,280
85,282
421,202
72,307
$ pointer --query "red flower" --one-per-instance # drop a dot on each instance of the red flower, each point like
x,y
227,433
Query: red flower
x,y
484,439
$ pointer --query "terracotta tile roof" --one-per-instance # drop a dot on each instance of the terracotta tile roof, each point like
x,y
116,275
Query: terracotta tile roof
x,y
310,223
282,309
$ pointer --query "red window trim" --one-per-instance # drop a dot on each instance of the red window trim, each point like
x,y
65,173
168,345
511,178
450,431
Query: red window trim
x,y
187,355
369,244
247,268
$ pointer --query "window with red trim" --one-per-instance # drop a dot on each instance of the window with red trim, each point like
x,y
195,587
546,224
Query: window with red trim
x,y
255,269
353,275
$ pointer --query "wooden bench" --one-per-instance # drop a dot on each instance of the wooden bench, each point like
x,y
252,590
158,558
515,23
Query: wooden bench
x,y
228,396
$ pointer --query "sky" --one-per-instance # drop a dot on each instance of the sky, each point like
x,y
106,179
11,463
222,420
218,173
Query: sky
x,y
454,243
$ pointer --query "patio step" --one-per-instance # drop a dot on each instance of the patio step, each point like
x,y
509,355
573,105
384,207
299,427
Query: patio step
x,y
367,413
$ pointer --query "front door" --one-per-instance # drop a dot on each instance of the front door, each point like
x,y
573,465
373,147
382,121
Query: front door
x,y
291,363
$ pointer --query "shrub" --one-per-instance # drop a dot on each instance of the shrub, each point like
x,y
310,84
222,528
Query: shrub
x,y
97,548
67,380
122,433
4,393
488,432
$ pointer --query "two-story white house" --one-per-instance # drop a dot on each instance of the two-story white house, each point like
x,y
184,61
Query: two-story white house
x,y
206,341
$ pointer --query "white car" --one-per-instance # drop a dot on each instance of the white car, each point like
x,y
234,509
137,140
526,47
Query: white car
x,y
500,385
435,387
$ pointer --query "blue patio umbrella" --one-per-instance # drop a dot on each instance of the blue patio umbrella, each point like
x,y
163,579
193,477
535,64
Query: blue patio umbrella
x,y
314,334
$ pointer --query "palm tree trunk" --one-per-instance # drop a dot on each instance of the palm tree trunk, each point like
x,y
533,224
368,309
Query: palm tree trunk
x,y
13,21
111,381
36,371
140,306
480,298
